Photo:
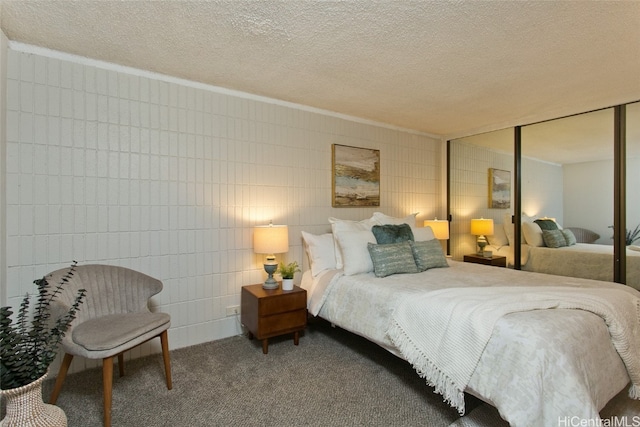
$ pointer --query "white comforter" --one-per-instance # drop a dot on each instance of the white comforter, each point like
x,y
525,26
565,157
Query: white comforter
x,y
589,261
537,366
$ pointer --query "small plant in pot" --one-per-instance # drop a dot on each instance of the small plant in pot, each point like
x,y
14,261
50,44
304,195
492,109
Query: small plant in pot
x,y
632,236
287,272
28,345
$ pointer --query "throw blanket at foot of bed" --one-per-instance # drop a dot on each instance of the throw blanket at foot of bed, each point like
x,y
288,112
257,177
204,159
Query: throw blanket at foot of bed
x,y
443,333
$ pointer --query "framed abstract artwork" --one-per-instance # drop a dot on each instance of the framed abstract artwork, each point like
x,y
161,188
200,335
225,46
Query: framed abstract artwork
x,y
499,189
355,179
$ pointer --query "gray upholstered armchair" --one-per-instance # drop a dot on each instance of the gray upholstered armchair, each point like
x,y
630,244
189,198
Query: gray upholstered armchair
x,y
583,235
114,318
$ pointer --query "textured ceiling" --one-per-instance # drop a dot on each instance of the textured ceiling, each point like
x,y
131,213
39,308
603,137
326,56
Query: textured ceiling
x,y
444,68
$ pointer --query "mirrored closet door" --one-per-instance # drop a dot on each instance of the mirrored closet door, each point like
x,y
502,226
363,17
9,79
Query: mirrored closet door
x,y
633,186
567,167
567,173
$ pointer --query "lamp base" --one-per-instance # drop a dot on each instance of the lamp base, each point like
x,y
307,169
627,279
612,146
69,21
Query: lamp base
x,y
270,283
482,242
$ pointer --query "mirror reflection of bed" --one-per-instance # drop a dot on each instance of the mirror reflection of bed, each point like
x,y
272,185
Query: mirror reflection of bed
x,y
584,259
567,174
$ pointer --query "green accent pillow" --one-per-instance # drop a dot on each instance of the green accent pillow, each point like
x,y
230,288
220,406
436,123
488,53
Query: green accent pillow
x,y
554,238
569,237
392,258
546,224
390,233
428,254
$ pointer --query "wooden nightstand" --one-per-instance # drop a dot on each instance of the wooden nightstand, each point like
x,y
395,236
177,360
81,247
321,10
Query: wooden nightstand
x,y
271,312
495,260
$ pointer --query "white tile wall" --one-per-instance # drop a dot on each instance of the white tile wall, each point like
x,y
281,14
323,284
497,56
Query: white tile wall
x,y
168,177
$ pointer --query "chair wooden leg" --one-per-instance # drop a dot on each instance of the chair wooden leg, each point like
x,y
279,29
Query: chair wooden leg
x,y
107,384
62,374
121,364
164,340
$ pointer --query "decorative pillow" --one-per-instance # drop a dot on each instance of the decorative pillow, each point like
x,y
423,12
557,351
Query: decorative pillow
x,y
428,254
422,234
355,255
546,224
532,234
392,258
499,237
340,225
554,238
320,251
389,233
569,237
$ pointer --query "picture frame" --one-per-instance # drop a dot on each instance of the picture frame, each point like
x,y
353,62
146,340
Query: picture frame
x,y
355,178
499,189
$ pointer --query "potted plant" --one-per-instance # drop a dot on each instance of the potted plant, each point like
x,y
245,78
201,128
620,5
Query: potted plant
x,y
287,272
630,236
28,345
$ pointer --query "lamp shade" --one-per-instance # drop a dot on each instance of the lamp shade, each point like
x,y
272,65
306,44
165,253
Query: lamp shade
x,y
482,227
440,228
271,239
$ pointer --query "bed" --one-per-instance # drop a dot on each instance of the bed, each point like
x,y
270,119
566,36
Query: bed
x,y
533,366
585,260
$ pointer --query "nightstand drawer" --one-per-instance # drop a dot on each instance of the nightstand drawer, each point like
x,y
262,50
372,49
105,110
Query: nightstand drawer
x,y
283,303
279,324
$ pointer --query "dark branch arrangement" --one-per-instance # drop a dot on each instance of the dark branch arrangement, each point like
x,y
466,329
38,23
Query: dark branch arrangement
x,y
633,235
630,236
28,346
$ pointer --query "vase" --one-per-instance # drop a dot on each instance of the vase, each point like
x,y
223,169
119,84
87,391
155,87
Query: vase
x,y
25,407
287,284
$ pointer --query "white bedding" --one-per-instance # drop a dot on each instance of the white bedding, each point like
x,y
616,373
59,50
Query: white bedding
x,y
589,261
537,366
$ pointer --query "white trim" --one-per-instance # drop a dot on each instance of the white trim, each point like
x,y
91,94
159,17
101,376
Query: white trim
x,y
82,60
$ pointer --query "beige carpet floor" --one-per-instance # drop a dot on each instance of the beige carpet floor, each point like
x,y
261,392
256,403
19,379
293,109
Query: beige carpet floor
x,y
333,378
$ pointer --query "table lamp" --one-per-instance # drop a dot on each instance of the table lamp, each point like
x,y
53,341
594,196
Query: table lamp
x,y
481,227
440,228
270,239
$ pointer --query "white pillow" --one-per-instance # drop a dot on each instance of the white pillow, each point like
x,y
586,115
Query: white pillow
x,y
355,252
499,236
386,219
340,225
532,234
320,251
508,227
422,234
506,218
